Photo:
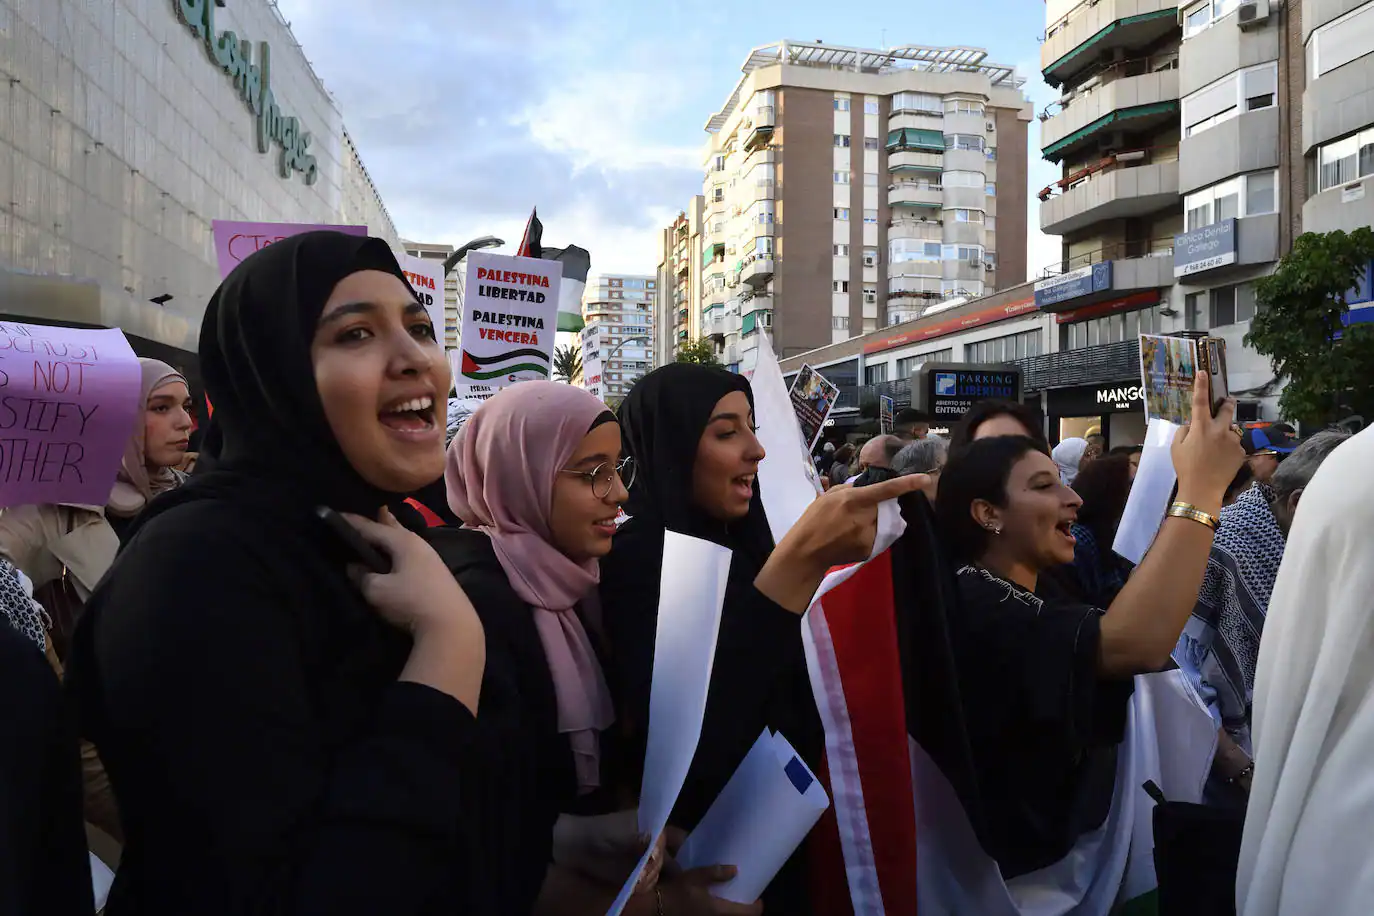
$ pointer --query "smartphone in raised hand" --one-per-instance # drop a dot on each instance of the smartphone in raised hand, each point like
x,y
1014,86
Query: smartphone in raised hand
x,y
362,551
1212,358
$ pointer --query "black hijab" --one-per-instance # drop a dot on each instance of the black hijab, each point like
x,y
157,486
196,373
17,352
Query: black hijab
x,y
662,421
255,360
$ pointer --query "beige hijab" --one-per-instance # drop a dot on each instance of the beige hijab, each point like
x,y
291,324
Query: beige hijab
x,y
136,484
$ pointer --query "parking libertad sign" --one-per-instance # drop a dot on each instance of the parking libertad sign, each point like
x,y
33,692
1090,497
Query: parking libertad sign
x,y
254,84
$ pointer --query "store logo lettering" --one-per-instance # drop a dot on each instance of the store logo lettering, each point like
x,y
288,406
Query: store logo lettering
x,y
254,84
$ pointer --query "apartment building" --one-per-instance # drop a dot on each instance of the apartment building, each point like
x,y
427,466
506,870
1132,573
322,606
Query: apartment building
x,y
617,338
676,319
452,299
847,189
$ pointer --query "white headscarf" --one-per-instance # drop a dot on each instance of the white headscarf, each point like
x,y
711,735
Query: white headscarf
x,y
1068,455
1306,846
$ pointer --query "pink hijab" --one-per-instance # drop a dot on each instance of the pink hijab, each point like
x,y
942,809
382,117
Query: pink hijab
x,y
500,475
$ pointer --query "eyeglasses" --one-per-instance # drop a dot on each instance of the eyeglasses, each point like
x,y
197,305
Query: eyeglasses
x,y
603,478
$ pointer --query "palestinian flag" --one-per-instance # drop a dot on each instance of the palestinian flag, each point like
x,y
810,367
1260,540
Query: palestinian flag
x,y
900,769
521,359
575,261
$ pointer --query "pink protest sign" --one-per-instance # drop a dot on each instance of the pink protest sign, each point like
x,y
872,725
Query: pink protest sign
x,y
68,405
236,241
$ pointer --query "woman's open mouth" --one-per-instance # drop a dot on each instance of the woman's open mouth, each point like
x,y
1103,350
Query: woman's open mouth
x,y
412,418
1065,528
743,486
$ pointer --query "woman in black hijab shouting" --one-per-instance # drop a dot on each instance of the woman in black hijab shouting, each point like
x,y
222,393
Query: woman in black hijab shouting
x,y
690,430
277,747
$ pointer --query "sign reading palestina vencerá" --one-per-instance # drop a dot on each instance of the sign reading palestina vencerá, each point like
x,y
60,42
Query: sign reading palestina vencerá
x,y
254,84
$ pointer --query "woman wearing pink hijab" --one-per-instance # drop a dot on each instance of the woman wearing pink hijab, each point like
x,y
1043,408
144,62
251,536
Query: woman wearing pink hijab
x,y
537,477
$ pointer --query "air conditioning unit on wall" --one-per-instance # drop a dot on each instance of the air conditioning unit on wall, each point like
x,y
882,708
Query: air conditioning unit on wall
x,y
1253,14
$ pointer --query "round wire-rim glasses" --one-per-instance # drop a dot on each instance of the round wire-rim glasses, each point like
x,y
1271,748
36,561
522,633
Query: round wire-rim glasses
x,y
602,478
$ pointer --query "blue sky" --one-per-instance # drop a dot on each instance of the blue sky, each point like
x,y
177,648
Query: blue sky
x,y
468,113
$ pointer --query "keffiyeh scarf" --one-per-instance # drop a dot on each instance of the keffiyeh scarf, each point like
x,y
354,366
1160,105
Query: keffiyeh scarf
x,y
18,606
1220,644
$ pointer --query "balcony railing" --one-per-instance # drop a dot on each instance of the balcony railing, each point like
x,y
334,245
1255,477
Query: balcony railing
x,y
1126,159
1144,248
1096,78
897,389
1086,366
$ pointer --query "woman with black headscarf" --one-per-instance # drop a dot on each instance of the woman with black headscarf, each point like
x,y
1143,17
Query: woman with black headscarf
x,y
279,747
690,430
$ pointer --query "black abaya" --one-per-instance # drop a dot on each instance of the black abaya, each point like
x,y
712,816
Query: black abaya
x,y
759,676
243,696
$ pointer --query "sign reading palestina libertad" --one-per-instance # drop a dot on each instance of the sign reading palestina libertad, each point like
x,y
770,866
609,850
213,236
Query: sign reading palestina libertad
x,y
510,319
254,84
426,277
68,405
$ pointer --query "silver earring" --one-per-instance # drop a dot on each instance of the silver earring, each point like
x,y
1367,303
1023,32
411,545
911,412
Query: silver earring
x,y
994,530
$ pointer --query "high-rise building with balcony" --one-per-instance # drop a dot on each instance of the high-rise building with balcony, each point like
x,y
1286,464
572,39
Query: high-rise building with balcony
x,y
846,189
440,252
617,339
676,318
1173,130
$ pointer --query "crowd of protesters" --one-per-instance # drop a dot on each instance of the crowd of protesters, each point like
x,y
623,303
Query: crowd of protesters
x,y
257,715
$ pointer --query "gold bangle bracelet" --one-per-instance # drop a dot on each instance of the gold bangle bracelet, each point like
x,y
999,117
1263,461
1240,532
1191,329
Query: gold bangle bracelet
x,y
1193,513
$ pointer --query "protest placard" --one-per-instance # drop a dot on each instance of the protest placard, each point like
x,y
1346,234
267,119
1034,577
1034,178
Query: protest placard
x,y
427,279
235,241
813,397
510,318
68,405
885,411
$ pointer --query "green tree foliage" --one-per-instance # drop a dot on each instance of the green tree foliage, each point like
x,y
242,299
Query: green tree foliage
x,y
567,363
700,351
1300,326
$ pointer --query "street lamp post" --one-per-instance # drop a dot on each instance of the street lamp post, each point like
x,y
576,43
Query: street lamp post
x,y
486,241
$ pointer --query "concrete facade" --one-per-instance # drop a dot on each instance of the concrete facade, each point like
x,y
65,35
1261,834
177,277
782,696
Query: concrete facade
x,y
125,138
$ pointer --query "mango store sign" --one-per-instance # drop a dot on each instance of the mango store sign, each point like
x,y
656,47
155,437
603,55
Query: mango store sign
x,y
510,318
254,84
68,404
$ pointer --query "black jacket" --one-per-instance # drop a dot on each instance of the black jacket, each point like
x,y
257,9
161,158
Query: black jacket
x,y
264,755
44,867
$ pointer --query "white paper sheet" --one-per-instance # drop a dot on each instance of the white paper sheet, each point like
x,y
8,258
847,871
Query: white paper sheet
x,y
1149,499
759,819
788,481
691,594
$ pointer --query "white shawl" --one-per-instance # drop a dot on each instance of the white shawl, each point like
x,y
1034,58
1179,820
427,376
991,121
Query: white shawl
x,y
1306,848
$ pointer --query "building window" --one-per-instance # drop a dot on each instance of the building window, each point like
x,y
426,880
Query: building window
x,y
1244,195
841,178
870,106
966,216
870,216
718,164
916,103
839,322
1341,41
963,106
1003,349
875,375
900,251
717,195
870,295
842,140
1343,161
1227,305
1122,326
842,104
841,251
871,179
970,142
840,286
1245,90
990,190
992,154
870,143
957,179
841,213
1201,16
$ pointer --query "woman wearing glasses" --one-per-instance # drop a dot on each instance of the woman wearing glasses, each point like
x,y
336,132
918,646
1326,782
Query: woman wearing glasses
x,y
537,477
